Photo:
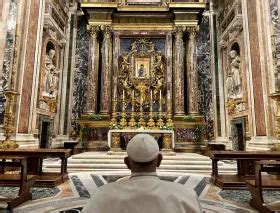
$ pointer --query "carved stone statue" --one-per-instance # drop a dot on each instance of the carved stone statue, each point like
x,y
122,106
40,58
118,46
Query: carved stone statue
x,y
235,67
52,73
233,82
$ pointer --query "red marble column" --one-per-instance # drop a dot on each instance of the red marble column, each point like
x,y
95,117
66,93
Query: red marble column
x,y
192,71
179,71
92,78
106,70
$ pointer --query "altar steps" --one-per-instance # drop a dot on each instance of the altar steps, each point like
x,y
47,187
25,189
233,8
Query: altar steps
x,y
101,162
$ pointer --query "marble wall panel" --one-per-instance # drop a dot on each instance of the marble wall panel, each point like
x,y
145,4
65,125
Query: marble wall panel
x,y
26,92
8,54
205,76
275,40
256,69
82,61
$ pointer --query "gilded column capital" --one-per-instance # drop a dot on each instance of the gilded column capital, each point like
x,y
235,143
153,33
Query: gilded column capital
x,y
178,31
94,30
192,31
107,30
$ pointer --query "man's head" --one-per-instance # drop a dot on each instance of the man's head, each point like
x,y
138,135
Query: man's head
x,y
232,54
51,53
143,154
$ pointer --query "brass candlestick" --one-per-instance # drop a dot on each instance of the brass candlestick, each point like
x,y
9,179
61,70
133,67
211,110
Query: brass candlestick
x,y
160,122
123,122
114,114
141,121
9,121
151,122
132,123
169,121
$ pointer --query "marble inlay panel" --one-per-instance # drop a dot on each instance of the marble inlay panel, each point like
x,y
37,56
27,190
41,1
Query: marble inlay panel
x,y
204,75
26,92
275,40
82,60
8,53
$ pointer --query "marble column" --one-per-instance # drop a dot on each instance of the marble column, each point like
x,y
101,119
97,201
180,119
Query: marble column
x,y
192,71
106,70
179,71
116,48
169,68
92,78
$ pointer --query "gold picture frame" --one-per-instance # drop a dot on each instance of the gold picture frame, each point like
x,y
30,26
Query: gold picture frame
x,y
142,67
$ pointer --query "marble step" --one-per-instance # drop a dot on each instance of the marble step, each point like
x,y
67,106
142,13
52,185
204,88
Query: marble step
x,y
120,161
101,162
122,166
178,156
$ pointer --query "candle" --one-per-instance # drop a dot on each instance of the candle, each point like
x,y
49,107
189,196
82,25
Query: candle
x,y
133,95
151,99
160,95
168,96
115,94
123,94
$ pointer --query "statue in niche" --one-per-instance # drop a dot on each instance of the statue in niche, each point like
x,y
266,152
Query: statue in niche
x,y
235,70
233,82
229,86
52,73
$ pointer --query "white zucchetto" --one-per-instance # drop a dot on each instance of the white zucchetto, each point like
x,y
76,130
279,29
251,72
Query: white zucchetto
x,y
142,148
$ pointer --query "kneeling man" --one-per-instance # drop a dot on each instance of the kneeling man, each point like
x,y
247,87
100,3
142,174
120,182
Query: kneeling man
x,y
143,192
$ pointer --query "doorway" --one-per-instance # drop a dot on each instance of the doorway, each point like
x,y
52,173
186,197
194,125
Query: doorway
x,y
238,134
45,132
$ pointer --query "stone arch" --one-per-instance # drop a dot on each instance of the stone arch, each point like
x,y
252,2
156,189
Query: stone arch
x,y
235,46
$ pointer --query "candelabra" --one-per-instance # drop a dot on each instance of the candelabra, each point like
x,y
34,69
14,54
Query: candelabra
x,y
151,122
169,121
141,121
114,114
9,121
123,122
132,123
160,121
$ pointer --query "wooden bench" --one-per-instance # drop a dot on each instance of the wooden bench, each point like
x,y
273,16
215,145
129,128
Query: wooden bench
x,y
22,179
261,182
245,166
35,159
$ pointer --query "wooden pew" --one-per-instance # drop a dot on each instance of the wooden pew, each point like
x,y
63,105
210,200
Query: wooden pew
x,y
261,182
245,166
23,180
35,163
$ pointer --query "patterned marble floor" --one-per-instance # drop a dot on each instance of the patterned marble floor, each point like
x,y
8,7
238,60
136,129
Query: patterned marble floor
x,y
72,196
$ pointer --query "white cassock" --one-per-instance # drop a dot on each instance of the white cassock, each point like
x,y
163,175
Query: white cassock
x,y
143,193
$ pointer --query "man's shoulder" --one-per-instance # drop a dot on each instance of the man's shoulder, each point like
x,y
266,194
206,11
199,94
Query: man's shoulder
x,y
177,186
111,186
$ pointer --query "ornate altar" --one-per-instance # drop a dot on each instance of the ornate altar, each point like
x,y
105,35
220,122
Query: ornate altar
x,y
140,95
142,75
